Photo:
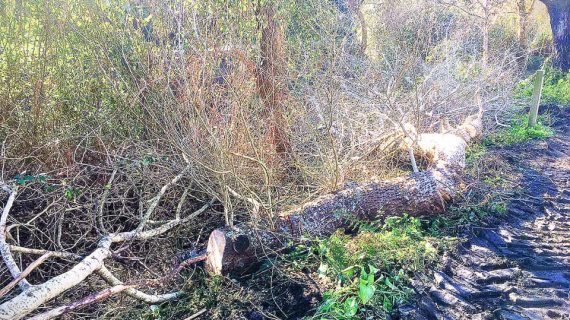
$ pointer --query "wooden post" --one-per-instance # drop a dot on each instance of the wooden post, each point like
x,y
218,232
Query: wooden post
x,y
536,94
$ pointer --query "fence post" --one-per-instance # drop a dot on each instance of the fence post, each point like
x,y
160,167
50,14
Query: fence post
x,y
536,94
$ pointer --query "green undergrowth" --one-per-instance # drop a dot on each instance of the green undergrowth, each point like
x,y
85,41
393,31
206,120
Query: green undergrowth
x,y
372,269
556,88
222,298
369,274
519,131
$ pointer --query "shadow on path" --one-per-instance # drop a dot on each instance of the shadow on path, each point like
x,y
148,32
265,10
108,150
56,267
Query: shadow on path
x,y
519,269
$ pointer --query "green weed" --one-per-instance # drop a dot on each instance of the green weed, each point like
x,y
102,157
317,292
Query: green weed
x,y
475,153
519,132
372,269
556,88
459,216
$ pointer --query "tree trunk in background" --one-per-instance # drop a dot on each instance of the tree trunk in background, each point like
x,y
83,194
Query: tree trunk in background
x,y
272,81
355,7
486,24
523,12
559,11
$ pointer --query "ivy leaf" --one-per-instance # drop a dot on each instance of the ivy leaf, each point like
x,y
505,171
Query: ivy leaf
x,y
372,269
388,305
366,292
389,284
350,307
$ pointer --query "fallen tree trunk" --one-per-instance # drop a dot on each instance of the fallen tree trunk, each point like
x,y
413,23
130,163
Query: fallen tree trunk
x,y
420,193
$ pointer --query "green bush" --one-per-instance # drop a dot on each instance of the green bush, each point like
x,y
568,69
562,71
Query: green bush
x,y
556,88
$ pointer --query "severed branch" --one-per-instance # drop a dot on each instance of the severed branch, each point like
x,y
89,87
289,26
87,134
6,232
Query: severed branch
x,y
156,200
121,287
99,217
25,273
32,297
106,275
56,254
4,247
90,299
420,193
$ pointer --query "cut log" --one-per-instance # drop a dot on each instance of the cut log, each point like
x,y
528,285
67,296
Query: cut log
x,y
421,193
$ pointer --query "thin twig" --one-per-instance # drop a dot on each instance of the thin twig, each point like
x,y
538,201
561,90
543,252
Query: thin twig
x,y
25,273
90,299
197,314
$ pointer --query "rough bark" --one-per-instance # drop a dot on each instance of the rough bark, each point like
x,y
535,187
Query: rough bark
x,y
420,193
271,80
559,11
524,9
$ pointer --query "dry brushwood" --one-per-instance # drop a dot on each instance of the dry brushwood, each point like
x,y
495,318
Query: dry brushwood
x,y
33,296
420,193
118,288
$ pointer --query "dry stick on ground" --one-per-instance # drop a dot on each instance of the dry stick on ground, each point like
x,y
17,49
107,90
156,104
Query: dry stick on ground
x,y
101,206
56,254
34,296
90,299
420,193
118,288
108,276
149,298
4,247
25,273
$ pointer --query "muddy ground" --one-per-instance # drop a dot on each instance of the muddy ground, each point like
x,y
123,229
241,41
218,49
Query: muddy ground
x,y
519,266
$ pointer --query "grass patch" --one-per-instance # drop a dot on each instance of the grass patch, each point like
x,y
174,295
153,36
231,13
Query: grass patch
x,y
556,88
519,132
448,225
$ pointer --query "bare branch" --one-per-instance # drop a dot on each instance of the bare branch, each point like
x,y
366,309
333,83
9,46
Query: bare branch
x,y
25,273
4,247
34,296
99,217
135,293
57,254
90,299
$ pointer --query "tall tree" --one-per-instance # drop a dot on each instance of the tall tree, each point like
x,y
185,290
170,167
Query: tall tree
x,y
524,8
559,11
271,79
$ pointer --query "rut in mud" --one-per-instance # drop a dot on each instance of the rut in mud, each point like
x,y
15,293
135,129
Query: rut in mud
x,y
519,269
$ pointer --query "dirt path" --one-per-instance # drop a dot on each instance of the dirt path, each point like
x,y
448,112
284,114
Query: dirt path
x,y
521,268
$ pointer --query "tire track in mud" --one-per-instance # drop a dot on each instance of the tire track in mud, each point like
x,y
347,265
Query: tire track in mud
x,y
519,269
